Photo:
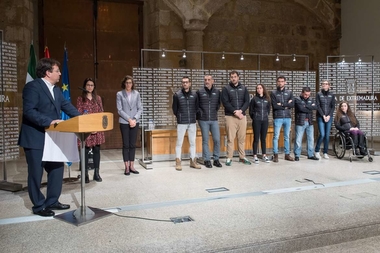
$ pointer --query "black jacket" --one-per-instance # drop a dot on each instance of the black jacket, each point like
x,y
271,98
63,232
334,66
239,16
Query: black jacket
x,y
185,106
344,123
209,104
304,110
283,97
325,101
235,98
259,108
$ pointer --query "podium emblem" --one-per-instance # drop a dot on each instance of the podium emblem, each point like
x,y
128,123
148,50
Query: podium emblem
x,y
105,121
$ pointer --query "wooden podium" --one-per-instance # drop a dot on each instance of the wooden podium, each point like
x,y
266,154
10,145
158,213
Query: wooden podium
x,y
82,126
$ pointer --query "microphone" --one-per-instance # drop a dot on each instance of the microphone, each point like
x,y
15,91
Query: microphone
x,y
83,89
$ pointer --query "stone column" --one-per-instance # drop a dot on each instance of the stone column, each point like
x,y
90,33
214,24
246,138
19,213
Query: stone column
x,y
194,42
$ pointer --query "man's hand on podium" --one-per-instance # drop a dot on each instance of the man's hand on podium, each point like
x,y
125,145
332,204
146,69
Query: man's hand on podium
x,y
56,121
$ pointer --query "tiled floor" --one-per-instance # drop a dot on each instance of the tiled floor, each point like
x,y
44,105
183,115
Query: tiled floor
x,y
267,207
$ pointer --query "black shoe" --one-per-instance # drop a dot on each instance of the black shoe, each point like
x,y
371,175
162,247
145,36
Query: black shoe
x,y
87,179
296,158
313,158
58,206
217,164
208,164
45,212
134,171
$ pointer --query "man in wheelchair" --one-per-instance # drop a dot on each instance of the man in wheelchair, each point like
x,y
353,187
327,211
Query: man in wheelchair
x,y
346,122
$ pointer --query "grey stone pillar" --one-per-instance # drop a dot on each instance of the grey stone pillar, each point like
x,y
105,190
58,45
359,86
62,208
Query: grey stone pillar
x,y
194,42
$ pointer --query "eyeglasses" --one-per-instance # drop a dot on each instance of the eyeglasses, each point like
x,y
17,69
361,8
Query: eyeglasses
x,y
90,85
185,82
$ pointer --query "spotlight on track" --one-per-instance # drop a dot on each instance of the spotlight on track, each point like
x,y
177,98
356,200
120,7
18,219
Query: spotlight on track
x,y
241,57
184,53
163,55
277,57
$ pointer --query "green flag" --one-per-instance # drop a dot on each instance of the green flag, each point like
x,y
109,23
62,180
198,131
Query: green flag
x,y
31,75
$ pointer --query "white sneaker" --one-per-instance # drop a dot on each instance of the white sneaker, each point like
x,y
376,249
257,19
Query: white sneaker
x,y
256,160
317,155
265,159
326,156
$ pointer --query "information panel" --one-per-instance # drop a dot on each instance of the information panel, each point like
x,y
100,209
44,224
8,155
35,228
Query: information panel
x,y
157,86
358,84
9,122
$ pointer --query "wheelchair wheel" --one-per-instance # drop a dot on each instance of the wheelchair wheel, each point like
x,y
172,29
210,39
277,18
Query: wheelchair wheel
x,y
370,159
339,146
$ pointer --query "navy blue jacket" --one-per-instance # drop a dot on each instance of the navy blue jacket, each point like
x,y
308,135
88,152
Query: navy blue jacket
x,y
39,110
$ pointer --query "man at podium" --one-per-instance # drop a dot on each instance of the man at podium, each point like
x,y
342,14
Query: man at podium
x,y
42,105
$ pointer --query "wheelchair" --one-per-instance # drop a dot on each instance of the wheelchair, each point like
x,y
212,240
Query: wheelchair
x,y
343,142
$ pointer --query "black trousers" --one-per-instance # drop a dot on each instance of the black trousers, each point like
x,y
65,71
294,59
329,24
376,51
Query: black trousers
x,y
260,130
129,137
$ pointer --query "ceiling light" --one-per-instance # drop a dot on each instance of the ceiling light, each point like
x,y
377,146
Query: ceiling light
x,y
163,55
294,57
241,57
184,53
223,57
277,58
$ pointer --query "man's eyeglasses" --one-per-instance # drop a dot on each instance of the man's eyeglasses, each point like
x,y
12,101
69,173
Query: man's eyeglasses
x,y
185,82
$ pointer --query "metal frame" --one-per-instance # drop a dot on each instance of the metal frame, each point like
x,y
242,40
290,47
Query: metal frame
x,y
359,56
147,164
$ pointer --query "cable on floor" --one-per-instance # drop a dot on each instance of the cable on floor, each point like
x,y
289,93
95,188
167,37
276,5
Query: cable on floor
x,y
313,182
140,218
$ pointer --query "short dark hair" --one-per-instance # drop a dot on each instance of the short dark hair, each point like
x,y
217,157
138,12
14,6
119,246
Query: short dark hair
x,y
126,78
186,77
306,89
281,77
234,72
46,64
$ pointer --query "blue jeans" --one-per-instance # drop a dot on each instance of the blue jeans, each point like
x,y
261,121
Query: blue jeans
x,y
324,134
213,127
300,130
277,124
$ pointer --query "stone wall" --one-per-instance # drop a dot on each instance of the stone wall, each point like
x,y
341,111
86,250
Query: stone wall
x,y
304,27
19,25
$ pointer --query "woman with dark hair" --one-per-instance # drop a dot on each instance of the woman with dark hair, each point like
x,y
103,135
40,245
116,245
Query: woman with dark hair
x,y
129,108
259,109
346,121
90,102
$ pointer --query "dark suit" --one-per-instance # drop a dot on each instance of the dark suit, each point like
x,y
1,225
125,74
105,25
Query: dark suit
x,y
39,110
